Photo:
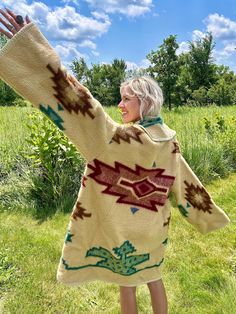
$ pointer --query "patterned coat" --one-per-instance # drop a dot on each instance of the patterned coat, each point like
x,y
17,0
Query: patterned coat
x,y
118,228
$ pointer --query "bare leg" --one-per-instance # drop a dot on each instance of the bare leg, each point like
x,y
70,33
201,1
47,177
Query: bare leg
x,y
158,296
128,300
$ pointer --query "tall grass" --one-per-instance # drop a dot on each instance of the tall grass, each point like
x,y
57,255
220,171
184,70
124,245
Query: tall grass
x,y
210,154
199,270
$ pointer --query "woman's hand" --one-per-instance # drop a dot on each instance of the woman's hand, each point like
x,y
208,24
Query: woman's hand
x,y
14,23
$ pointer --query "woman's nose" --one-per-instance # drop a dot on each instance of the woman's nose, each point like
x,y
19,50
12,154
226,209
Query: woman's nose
x,y
120,104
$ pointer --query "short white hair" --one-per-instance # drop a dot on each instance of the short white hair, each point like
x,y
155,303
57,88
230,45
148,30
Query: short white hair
x,y
149,94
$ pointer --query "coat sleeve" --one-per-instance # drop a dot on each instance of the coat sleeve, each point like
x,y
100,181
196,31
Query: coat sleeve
x,y
194,202
32,67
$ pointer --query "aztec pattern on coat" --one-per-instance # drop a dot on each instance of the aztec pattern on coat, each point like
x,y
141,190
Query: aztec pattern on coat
x,y
118,229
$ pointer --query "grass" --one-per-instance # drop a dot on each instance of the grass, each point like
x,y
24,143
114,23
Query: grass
x,y
199,271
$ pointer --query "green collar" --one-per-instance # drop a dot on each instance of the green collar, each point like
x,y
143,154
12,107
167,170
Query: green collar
x,y
150,121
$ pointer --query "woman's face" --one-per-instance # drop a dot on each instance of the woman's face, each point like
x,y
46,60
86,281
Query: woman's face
x,y
129,106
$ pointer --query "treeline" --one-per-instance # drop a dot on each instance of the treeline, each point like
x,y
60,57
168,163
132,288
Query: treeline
x,y
190,78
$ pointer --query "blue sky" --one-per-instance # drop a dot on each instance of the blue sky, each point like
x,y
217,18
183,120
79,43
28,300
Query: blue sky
x,y
101,30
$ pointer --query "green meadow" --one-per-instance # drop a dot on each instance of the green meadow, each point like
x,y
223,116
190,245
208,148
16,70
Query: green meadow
x,y
199,271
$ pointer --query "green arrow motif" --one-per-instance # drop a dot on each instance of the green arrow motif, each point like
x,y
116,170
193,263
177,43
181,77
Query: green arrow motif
x,y
53,116
183,210
124,264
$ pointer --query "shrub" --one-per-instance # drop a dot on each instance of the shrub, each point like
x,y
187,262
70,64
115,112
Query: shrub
x,y
56,165
20,102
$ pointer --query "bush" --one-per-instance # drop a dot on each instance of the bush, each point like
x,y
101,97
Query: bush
x,y
56,165
20,102
222,93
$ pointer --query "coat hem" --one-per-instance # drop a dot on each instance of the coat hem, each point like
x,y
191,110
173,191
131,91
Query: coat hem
x,y
76,283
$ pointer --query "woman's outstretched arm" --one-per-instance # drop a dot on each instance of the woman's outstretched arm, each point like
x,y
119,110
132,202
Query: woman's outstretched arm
x,y
31,66
194,202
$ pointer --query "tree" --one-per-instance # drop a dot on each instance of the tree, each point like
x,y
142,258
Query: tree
x,y
224,72
103,80
3,40
7,94
165,67
200,63
115,74
222,94
80,69
200,96
183,89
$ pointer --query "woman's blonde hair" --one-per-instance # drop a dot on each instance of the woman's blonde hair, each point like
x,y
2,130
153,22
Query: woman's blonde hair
x,y
149,94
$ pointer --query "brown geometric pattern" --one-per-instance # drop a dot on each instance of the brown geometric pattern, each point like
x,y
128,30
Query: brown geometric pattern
x,y
80,212
141,187
71,94
83,181
176,149
167,222
126,134
198,197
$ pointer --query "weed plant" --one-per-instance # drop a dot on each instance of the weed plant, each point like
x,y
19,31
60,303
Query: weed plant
x,y
40,169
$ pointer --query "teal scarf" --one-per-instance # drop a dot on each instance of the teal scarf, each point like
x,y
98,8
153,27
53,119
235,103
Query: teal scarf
x,y
145,122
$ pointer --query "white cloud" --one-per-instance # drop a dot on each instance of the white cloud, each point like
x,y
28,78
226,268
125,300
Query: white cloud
x,y
143,64
131,8
61,23
66,24
131,65
224,33
76,2
95,53
198,35
88,44
100,15
69,30
220,26
69,51
183,48
230,47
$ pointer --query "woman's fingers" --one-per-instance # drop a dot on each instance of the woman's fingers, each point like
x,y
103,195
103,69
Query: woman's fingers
x,y
9,35
10,19
7,25
12,22
11,13
27,19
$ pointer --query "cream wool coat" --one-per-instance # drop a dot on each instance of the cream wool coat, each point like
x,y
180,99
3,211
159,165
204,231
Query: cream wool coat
x,y
118,229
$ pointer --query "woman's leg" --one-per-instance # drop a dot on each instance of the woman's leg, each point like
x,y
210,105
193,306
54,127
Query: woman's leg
x,y
128,300
158,297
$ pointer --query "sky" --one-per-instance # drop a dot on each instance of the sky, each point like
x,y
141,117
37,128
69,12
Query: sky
x,y
102,30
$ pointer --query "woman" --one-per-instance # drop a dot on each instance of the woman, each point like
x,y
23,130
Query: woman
x,y
118,228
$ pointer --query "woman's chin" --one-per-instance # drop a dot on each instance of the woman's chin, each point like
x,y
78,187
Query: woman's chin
x,y
125,119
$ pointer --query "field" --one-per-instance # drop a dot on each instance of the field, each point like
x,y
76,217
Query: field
x,y
200,270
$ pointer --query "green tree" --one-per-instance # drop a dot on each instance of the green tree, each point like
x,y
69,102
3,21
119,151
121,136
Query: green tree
x,y
115,75
200,63
165,67
222,93
200,96
80,69
224,72
103,80
3,40
183,86
7,94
